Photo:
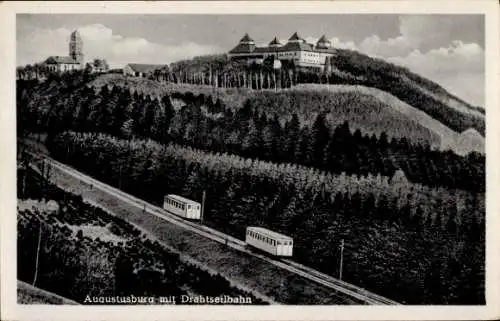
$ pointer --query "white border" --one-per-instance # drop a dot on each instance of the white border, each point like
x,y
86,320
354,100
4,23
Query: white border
x,y
11,311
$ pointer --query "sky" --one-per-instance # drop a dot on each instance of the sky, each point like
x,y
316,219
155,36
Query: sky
x,y
448,49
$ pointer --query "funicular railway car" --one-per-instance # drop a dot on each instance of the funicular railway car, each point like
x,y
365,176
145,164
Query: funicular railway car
x,y
182,207
269,241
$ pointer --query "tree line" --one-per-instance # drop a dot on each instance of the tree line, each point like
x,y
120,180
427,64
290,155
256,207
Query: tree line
x,y
396,231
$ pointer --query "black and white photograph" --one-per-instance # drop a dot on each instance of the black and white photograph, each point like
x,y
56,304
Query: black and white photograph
x,y
250,159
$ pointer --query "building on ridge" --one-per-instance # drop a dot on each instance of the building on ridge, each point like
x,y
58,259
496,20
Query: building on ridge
x,y
74,61
296,50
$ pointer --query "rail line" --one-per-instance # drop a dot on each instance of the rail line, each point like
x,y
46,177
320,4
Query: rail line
x,y
350,290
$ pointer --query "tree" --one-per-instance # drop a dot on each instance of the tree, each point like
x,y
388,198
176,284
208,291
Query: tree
x,y
321,135
292,130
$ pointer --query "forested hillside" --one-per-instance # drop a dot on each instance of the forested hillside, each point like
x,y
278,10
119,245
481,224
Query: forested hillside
x,y
368,109
319,165
276,134
74,249
347,67
409,242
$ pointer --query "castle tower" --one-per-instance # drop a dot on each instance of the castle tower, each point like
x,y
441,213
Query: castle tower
x,y
295,38
323,43
246,40
76,47
275,43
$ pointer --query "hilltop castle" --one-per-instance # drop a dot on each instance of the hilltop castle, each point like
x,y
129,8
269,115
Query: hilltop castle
x,y
296,50
72,62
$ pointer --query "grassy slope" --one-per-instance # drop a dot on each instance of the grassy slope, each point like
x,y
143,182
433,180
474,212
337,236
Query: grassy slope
x,y
28,294
352,67
461,144
369,109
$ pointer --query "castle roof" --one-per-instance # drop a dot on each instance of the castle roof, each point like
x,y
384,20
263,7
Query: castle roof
x,y
295,43
246,38
323,39
274,42
243,48
61,60
297,46
295,37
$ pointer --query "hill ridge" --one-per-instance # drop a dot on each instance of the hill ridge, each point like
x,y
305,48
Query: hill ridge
x,y
447,137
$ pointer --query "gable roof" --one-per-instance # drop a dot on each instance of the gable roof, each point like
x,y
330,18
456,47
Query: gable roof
x,y
296,46
294,37
246,38
323,39
242,48
61,60
274,42
144,68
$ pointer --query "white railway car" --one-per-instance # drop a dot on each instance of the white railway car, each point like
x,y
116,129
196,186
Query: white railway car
x,y
182,206
269,241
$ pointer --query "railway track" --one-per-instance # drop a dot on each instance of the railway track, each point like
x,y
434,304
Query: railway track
x,y
355,294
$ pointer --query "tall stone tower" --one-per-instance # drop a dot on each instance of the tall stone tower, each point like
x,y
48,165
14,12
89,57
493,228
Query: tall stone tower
x,y
76,47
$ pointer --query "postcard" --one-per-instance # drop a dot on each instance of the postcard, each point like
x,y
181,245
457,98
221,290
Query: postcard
x,y
250,160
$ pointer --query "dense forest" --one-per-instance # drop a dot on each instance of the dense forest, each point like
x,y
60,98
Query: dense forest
x,y
55,253
412,217
201,123
397,232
